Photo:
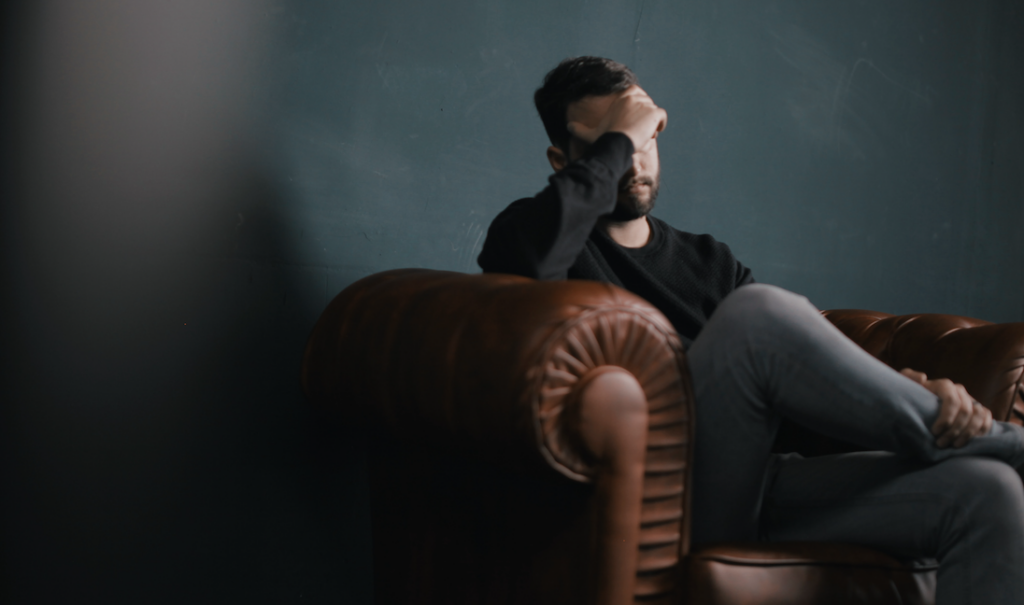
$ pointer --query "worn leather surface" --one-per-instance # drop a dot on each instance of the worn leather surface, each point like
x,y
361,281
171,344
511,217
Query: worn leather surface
x,y
803,574
489,367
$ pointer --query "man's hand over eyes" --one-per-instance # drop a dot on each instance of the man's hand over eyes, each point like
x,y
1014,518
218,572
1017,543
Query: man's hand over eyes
x,y
632,113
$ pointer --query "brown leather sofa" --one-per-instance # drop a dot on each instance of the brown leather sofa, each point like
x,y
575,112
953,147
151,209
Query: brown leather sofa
x,y
532,443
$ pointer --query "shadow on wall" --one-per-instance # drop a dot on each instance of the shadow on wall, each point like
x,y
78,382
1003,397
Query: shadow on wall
x,y
156,444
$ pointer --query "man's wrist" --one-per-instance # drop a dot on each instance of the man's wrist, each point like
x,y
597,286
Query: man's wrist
x,y
614,138
614,150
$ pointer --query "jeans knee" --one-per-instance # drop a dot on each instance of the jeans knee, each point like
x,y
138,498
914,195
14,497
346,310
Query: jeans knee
x,y
989,491
763,306
763,294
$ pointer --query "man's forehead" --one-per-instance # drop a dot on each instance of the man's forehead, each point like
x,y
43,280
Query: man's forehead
x,y
590,110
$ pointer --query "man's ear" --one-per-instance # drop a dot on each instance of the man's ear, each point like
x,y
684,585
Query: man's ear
x,y
557,158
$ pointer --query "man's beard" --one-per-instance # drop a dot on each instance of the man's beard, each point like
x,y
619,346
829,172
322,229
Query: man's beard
x,y
629,205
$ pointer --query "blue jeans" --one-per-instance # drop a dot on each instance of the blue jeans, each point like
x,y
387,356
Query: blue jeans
x,y
767,354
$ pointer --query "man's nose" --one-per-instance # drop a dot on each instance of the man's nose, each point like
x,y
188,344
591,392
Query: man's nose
x,y
638,165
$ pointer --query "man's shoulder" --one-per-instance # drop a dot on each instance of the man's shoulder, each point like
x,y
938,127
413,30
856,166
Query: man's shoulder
x,y
512,208
517,204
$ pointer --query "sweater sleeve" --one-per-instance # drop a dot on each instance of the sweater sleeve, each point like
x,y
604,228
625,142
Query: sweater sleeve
x,y
541,237
743,275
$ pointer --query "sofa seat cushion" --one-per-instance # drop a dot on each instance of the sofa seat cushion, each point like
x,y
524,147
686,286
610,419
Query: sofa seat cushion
x,y
799,573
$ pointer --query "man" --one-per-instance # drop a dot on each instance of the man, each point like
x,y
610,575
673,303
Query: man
x,y
941,484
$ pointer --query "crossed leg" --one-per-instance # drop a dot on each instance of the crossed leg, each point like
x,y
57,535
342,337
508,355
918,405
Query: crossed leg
x,y
965,511
768,354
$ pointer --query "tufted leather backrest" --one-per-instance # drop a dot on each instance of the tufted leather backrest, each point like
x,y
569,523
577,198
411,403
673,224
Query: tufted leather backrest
x,y
987,358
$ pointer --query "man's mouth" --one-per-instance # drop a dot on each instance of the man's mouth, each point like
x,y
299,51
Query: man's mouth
x,y
636,184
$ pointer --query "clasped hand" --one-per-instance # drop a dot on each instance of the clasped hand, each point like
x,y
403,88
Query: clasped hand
x,y
961,418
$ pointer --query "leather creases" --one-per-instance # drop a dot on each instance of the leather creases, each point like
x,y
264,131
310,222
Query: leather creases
x,y
626,338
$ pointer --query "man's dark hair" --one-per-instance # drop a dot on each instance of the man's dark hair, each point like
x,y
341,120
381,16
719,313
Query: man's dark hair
x,y
572,80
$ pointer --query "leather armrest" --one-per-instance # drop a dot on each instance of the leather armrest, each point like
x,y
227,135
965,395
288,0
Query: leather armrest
x,y
492,363
987,358
577,376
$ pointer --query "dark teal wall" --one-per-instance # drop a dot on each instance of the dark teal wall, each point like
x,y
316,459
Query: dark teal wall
x,y
845,150
187,184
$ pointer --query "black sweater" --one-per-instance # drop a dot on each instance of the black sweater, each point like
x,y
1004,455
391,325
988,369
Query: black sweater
x,y
553,236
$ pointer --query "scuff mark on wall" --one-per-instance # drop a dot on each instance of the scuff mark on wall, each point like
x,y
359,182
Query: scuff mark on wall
x,y
634,60
636,31
857,110
468,244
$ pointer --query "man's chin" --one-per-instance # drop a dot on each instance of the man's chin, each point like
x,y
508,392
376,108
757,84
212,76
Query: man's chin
x,y
628,212
630,207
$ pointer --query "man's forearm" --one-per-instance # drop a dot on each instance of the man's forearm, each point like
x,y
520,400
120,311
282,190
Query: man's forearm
x,y
541,237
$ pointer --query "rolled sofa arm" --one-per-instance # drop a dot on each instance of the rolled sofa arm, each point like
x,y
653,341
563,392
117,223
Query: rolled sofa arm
x,y
487,361
498,365
987,358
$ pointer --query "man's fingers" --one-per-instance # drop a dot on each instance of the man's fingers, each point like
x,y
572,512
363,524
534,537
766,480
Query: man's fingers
x,y
654,135
918,377
948,405
981,422
963,403
636,92
954,411
634,114
957,428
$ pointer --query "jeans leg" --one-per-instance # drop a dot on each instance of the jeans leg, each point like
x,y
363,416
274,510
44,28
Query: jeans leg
x,y
767,353
967,512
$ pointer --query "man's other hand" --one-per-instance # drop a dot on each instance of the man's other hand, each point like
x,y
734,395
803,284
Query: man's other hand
x,y
632,113
961,418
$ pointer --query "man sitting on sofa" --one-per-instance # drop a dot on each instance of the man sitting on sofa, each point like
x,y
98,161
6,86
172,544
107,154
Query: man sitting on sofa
x,y
941,484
